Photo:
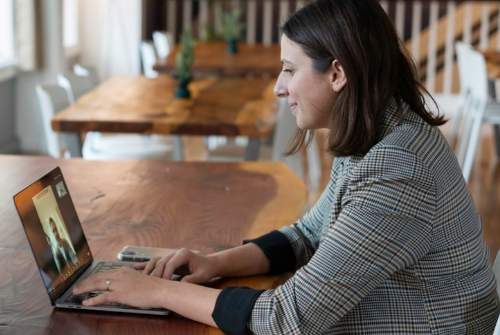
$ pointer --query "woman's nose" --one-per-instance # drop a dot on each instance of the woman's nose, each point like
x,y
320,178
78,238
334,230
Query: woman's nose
x,y
280,89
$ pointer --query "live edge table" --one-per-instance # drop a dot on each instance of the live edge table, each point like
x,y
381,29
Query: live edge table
x,y
218,106
203,206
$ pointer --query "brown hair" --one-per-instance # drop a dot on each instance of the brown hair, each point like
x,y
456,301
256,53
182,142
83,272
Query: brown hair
x,y
360,35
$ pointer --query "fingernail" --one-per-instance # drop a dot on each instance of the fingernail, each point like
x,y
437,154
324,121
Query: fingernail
x,y
85,302
75,290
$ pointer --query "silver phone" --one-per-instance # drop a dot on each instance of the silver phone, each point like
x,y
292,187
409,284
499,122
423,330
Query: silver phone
x,y
142,254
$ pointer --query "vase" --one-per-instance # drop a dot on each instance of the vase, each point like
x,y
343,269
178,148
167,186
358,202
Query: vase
x,y
232,46
182,91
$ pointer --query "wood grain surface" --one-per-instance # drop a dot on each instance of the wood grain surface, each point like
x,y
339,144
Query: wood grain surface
x,y
218,106
203,206
212,58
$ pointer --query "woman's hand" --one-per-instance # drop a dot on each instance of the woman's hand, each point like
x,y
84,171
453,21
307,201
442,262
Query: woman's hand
x,y
196,268
126,286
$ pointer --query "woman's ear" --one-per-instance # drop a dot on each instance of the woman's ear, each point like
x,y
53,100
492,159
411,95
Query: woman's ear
x,y
339,78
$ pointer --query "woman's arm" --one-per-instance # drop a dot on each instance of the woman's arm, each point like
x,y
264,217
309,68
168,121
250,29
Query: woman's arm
x,y
384,225
195,302
245,260
133,288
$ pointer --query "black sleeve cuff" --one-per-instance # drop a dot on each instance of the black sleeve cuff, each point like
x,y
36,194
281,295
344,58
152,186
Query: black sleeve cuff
x,y
278,250
233,309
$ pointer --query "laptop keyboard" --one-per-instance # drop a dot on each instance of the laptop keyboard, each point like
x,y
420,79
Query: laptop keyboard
x,y
100,267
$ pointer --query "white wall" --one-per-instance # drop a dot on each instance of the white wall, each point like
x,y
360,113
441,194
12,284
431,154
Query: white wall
x,y
110,35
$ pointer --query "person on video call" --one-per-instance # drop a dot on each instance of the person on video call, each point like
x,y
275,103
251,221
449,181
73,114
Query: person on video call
x,y
393,246
63,253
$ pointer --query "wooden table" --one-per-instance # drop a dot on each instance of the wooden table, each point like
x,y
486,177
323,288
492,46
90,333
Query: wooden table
x,y
218,106
203,206
212,58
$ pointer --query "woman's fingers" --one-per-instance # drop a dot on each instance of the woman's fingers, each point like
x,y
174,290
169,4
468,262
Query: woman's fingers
x,y
140,266
100,299
96,282
180,261
151,265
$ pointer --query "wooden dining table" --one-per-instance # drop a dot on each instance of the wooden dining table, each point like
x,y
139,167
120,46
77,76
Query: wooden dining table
x,y
136,104
212,58
203,206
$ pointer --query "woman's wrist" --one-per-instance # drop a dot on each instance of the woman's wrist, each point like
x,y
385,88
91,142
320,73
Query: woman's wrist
x,y
217,264
166,294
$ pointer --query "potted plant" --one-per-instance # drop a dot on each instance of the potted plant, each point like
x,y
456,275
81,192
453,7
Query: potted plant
x,y
231,29
184,61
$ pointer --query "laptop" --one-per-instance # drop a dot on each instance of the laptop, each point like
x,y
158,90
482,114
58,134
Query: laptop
x,y
59,245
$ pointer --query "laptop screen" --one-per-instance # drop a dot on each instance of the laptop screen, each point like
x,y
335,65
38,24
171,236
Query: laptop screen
x,y
54,232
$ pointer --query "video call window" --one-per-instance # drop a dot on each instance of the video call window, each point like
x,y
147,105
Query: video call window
x,y
54,227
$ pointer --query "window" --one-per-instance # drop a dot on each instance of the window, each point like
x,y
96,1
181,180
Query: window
x,y
70,25
7,48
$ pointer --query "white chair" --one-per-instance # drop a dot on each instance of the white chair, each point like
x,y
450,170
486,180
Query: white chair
x,y
104,146
163,41
52,99
75,85
148,56
479,108
284,129
89,71
496,271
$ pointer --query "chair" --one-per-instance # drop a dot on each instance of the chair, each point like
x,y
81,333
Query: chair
x,y
90,71
75,85
163,42
285,126
479,108
496,271
148,56
52,99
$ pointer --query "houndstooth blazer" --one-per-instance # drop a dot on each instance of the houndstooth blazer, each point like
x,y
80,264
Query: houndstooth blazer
x,y
393,246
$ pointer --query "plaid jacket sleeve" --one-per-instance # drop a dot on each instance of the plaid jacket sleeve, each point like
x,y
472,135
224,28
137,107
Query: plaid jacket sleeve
x,y
285,256
384,225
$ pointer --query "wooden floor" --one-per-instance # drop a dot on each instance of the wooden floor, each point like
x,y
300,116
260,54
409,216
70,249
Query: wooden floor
x,y
484,183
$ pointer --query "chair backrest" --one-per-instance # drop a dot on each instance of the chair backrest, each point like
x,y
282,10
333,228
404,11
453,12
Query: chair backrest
x,y
462,52
75,85
90,71
148,56
163,41
52,99
475,73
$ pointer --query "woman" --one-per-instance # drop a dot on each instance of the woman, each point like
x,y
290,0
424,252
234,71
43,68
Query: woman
x,y
393,246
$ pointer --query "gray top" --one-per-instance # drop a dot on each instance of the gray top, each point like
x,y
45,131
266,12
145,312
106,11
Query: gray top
x,y
393,246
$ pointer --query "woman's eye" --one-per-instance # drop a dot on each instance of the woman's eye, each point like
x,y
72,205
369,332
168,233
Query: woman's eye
x,y
288,71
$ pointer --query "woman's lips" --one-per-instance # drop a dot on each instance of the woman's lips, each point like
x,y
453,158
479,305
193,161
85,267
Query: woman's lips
x,y
293,107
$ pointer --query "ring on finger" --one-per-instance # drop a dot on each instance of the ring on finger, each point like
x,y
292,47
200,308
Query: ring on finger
x,y
108,282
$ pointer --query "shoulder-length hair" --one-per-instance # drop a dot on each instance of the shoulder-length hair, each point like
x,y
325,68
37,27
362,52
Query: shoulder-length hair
x,y
360,35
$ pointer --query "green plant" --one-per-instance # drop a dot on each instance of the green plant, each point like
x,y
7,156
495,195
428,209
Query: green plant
x,y
231,25
185,57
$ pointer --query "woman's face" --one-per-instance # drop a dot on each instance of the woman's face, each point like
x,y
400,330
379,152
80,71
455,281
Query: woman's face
x,y
311,95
